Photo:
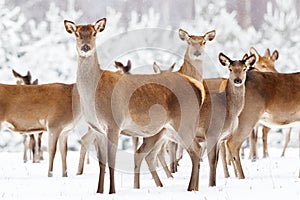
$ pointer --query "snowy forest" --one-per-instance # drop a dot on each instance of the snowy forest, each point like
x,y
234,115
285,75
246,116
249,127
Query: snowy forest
x,y
33,38
33,35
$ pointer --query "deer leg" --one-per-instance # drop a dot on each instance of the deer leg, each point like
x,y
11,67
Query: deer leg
x,y
101,146
113,138
25,143
35,149
223,157
287,140
172,154
52,141
212,149
234,149
40,146
265,132
162,160
86,140
63,147
32,150
139,155
150,159
146,147
253,145
135,142
193,152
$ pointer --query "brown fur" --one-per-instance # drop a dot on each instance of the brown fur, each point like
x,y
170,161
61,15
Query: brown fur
x,y
192,65
34,143
264,63
100,90
33,108
264,93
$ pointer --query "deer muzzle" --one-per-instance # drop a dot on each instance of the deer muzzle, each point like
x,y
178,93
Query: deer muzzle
x,y
85,48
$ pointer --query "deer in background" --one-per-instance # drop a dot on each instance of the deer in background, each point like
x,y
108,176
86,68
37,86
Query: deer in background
x,y
192,66
266,63
271,99
193,58
147,94
34,144
89,137
37,108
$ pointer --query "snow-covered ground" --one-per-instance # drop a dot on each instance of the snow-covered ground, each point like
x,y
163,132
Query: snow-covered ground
x,y
271,178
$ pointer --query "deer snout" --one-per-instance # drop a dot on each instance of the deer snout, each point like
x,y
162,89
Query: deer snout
x,y
85,48
237,81
197,53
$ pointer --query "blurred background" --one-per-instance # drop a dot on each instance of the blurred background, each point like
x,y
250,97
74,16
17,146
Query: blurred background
x,y
33,35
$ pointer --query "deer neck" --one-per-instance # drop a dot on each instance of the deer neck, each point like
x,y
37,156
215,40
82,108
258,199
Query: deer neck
x,y
192,68
88,75
235,98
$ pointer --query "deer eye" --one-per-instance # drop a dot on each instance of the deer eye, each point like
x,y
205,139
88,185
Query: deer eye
x,y
204,42
244,69
230,69
76,34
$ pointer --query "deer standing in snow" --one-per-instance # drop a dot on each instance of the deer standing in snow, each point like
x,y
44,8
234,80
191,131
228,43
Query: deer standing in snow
x,y
271,99
34,144
102,94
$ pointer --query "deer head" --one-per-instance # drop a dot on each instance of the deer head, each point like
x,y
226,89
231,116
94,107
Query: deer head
x,y
265,63
123,69
24,80
157,69
196,44
237,68
85,35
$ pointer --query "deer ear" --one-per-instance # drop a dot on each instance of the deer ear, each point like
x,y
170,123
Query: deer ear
x,y
172,67
250,61
29,75
224,60
210,35
254,52
267,53
35,82
70,26
128,65
275,55
245,56
183,35
156,68
100,25
118,65
17,75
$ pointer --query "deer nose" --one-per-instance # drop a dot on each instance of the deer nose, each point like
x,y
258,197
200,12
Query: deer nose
x,y
197,53
85,48
237,81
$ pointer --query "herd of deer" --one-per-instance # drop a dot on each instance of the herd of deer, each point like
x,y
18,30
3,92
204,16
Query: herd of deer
x,y
169,110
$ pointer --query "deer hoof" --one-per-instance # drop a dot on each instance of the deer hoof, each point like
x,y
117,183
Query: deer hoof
x,y
50,174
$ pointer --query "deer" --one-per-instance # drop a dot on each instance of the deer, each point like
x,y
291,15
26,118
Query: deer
x,y
34,144
213,124
37,108
271,99
146,97
192,66
89,137
266,63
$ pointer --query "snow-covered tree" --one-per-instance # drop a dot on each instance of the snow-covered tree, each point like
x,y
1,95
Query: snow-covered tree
x,y
280,31
12,37
51,53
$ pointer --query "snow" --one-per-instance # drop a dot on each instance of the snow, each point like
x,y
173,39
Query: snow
x,y
270,178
